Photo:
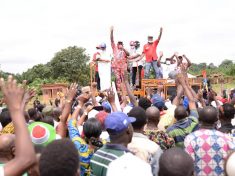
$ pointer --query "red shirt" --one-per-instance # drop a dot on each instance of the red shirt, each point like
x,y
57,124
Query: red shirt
x,y
119,57
94,60
204,73
150,51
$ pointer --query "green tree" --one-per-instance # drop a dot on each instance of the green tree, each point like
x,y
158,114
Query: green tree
x,y
41,71
71,63
226,63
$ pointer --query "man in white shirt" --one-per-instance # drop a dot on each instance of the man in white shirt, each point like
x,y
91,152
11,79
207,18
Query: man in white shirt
x,y
137,64
170,67
104,67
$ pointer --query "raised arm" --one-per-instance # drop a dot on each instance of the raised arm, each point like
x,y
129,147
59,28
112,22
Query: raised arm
x,y
189,62
24,156
200,98
62,126
28,95
213,96
111,100
177,58
160,34
129,91
111,35
93,93
187,91
179,94
159,59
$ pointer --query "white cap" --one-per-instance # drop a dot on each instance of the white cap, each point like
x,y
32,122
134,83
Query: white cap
x,y
214,104
92,113
127,109
127,165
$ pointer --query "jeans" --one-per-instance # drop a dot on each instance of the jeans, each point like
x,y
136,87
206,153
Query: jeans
x,y
157,70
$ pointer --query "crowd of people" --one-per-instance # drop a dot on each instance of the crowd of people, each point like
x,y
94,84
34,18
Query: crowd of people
x,y
100,130
189,134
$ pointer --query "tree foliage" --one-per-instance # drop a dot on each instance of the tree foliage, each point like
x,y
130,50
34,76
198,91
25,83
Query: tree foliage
x,y
68,65
71,63
227,67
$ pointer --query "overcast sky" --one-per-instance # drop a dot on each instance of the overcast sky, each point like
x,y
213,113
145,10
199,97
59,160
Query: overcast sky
x,y
32,31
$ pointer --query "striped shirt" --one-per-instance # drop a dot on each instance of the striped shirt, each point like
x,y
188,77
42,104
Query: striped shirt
x,y
104,156
182,128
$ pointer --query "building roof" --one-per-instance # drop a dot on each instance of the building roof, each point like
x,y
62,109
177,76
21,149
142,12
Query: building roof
x,y
54,85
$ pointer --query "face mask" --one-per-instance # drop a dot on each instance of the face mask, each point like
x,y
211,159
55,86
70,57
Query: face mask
x,y
120,46
132,47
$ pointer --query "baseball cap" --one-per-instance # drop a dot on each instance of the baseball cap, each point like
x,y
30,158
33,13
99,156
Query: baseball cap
x,y
157,101
101,116
41,133
106,105
103,45
117,122
132,43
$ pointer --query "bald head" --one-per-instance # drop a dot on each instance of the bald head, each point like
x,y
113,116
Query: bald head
x,y
7,147
229,165
7,141
180,113
209,115
153,114
177,162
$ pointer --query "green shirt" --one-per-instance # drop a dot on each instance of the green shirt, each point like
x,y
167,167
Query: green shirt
x,y
104,156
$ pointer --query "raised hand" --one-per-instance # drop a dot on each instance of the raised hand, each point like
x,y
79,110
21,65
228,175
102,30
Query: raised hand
x,y
181,79
28,95
82,100
111,28
213,94
111,96
72,91
13,94
199,95
89,108
160,54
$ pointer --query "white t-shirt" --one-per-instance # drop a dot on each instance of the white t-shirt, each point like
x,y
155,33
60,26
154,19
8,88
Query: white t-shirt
x,y
134,52
128,165
167,69
1,171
